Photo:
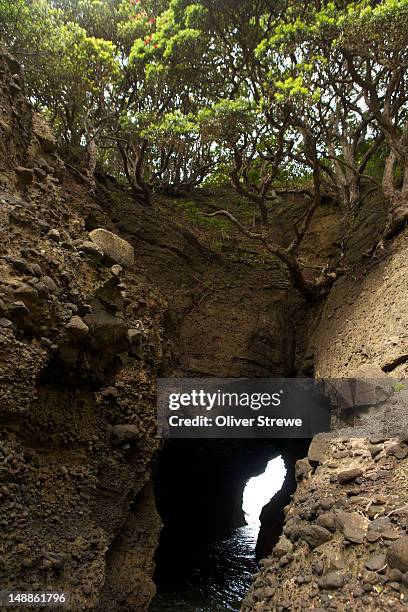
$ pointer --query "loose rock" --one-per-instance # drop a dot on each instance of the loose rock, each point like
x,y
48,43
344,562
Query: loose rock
x,y
349,475
116,249
397,554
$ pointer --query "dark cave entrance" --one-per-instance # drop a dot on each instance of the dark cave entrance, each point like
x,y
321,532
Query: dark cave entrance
x,y
207,552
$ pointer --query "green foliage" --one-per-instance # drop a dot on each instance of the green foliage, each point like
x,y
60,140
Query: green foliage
x,y
189,92
217,228
227,120
69,73
218,178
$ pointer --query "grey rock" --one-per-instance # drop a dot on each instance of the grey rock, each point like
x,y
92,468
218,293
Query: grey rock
x,y
115,248
394,575
26,293
283,546
36,268
49,283
380,525
354,534
302,468
377,438
76,328
319,449
121,434
353,525
397,554
400,451
376,562
327,502
314,535
395,585
327,520
347,476
389,534
92,250
332,580
375,449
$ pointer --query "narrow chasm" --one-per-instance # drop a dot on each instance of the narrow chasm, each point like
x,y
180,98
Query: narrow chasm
x,y
203,190
213,535
230,314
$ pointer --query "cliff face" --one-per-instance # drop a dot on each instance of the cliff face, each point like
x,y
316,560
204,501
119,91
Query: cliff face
x,y
80,338
81,333
364,322
344,543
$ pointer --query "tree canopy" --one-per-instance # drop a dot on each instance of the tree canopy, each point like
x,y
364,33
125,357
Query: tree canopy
x,y
169,93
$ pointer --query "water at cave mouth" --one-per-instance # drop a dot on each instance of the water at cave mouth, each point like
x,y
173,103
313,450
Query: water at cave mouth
x,y
218,574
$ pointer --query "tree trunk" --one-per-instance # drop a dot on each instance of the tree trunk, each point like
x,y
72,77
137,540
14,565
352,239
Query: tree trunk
x,y
263,210
398,198
397,215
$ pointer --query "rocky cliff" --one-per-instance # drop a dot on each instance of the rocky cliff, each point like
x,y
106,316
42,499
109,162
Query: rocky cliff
x,y
344,543
89,281
80,337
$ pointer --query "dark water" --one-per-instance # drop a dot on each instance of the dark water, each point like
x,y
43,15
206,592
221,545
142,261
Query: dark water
x,y
217,577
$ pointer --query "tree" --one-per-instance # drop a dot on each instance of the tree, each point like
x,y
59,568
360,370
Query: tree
x,y
375,45
252,156
69,75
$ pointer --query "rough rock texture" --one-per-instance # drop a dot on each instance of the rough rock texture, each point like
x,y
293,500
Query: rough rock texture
x,y
114,248
347,521
80,346
344,546
364,321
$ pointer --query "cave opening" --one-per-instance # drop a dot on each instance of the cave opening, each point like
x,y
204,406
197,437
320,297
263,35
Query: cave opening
x,y
221,504
259,490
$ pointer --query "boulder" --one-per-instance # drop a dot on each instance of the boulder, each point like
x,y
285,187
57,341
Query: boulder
x,y
376,563
93,250
354,534
76,328
283,546
397,554
117,250
319,449
400,451
328,521
302,468
332,580
349,475
314,535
